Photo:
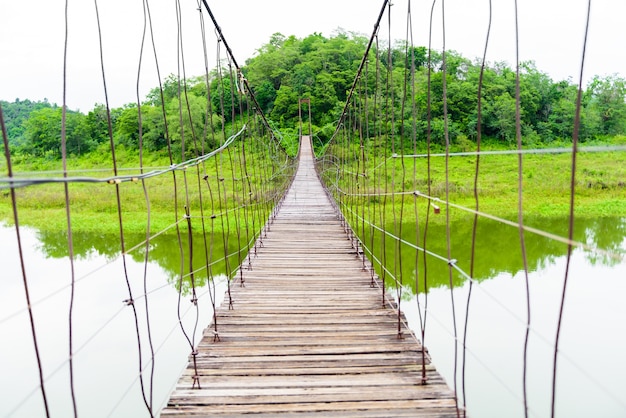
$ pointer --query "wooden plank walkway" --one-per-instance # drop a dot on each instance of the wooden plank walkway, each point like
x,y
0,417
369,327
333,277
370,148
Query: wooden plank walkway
x,y
308,335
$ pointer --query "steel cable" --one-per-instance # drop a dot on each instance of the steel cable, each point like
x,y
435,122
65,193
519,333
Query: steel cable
x,y
571,210
70,238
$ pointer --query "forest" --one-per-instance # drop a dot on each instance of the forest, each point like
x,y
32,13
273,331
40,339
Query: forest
x,y
287,69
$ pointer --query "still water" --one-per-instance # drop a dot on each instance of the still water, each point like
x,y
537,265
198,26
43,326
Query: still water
x,y
591,363
593,341
105,338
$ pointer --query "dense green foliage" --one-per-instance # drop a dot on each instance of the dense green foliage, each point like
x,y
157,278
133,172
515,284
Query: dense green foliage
x,y
322,69
287,69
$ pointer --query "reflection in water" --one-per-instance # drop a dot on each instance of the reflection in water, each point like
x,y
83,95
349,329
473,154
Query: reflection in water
x,y
165,250
497,249
105,339
594,311
593,318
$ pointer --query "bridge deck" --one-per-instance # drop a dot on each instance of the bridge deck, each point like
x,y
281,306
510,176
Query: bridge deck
x,y
308,335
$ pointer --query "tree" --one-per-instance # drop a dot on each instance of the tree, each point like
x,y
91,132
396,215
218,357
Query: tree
x,y
607,96
499,117
225,97
43,133
15,116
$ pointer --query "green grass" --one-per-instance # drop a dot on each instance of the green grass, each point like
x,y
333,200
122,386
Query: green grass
x,y
94,205
600,184
600,190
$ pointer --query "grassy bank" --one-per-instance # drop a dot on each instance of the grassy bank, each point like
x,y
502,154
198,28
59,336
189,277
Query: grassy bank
x,y
600,183
600,190
222,185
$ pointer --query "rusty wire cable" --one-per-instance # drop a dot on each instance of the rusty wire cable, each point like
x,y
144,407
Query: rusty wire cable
x,y
208,122
476,206
571,211
520,207
451,261
184,112
277,167
68,216
147,21
14,207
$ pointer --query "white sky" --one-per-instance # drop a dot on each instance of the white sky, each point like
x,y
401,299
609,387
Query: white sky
x,y
31,38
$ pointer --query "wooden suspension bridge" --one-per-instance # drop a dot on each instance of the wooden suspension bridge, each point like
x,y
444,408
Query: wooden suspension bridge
x,y
307,334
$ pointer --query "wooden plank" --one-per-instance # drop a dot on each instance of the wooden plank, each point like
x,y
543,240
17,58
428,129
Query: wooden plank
x,y
309,334
420,408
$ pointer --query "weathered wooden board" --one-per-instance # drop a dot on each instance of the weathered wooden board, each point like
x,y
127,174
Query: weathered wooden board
x,y
309,334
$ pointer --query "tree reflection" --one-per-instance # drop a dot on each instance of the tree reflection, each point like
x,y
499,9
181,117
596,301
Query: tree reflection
x,y
165,250
497,250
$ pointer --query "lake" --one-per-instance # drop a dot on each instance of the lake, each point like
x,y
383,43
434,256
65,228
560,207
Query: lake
x,y
105,337
590,369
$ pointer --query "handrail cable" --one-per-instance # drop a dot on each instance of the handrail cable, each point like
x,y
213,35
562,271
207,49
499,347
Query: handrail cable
x,y
117,179
539,232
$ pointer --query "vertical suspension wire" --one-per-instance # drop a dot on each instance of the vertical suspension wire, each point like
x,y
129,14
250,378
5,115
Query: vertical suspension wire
x,y
201,173
380,181
258,196
350,174
423,320
148,206
358,135
243,185
264,172
181,251
385,137
446,134
211,246
168,139
244,180
476,205
234,179
16,222
170,152
378,112
372,175
412,91
571,209
182,95
397,228
363,173
68,215
219,173
231,169
130,301
341,147
347,163
356,156
520,206
409,71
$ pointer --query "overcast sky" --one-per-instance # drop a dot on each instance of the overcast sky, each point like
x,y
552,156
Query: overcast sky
x,y
32,32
